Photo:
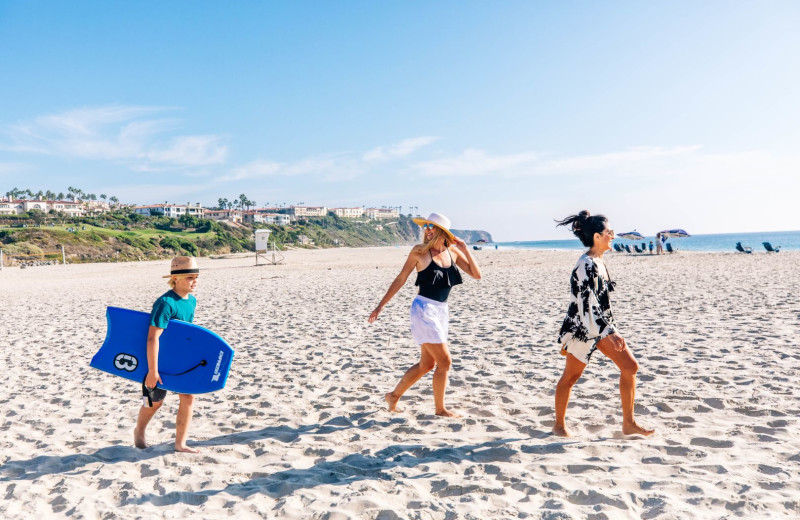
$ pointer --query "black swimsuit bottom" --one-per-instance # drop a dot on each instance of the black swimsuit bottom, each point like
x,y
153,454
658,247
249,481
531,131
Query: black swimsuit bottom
x,y
435,281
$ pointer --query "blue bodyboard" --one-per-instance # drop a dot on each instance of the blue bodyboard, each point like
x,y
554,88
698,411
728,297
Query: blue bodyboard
x,y
191,359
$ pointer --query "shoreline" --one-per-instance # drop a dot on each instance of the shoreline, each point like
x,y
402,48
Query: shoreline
x,y
405,247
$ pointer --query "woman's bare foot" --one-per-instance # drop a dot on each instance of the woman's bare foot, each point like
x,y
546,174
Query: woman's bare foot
x,y
561,431
391,400
138,439
186,449
447,413
635,429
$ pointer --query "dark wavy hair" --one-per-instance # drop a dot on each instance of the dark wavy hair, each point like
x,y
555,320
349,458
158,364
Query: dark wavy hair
x,y
585,225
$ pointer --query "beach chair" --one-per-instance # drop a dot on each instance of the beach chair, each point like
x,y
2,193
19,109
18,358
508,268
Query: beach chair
x,y
636,248
669,248
743,249
771,249
628,248
617,248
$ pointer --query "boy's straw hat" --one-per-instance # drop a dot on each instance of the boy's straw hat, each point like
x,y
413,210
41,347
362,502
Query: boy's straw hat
x,y
438,220
183,265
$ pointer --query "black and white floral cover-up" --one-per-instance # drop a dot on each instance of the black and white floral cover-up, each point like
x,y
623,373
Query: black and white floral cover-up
x,y
589,317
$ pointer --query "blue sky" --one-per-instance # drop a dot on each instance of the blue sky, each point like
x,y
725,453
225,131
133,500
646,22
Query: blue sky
x,y
502,115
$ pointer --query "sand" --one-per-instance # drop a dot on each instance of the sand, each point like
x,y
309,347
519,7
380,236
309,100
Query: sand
x,y
301,429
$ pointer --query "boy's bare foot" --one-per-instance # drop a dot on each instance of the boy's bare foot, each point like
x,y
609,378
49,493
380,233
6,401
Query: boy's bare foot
x,y
635,429
447,413
138,439
186,449
391,400
561,431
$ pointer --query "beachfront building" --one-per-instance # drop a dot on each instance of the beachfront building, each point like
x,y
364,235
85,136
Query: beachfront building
x,y
253,217
348,212
96,207
171,210
304,240
279,219
19,206
273,209
308,211
228,215
382,213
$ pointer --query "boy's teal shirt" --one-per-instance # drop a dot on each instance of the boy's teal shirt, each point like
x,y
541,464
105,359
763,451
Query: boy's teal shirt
x,y
170,306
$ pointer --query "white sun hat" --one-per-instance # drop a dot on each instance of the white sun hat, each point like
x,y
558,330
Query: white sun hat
x,y
438,220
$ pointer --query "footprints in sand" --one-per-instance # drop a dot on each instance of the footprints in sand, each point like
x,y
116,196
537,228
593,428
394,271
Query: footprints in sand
x,y
302,431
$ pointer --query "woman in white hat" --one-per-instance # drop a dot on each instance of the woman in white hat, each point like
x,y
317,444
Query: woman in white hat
x,y
435,261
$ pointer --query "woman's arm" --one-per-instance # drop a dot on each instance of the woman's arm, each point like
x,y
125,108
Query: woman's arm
x,y
465,261
397,284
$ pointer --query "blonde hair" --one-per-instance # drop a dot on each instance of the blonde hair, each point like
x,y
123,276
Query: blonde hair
x,y
171,282
438,236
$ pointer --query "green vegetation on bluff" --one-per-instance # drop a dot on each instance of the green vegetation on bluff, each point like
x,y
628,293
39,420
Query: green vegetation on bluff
x,y
121,236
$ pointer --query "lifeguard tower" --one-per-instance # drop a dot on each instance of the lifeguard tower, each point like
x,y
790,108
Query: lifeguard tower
x,y
268,252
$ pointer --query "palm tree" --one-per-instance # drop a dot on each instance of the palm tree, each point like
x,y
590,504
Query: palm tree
x,y
103,196
60,195
114,199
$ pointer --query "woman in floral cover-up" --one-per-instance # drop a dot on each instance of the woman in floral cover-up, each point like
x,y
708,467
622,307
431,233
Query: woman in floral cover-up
x,y
589,324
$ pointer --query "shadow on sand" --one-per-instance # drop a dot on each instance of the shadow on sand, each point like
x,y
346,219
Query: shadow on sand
x,y
41,465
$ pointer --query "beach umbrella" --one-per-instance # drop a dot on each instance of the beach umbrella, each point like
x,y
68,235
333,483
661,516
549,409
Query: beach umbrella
x,y
675,233
631,235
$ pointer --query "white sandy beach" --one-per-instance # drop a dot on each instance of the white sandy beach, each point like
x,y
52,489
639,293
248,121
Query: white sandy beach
x,y
301,429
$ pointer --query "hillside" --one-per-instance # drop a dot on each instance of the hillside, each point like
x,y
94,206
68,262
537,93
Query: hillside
x,y
125,236
471,236
121,237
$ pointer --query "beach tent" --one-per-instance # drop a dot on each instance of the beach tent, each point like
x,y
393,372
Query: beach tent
x,y
675,233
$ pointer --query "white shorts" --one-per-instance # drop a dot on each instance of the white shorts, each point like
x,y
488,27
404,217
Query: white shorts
x,y
429,320
582,350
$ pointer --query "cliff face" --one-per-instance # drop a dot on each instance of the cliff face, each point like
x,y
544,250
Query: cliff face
x,y
470,236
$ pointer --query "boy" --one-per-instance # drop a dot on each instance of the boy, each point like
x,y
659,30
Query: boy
x,y
177,303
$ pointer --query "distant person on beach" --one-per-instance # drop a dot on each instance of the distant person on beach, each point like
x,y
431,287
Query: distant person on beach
x,y
651,247
435,261
177,303
659,244
589,324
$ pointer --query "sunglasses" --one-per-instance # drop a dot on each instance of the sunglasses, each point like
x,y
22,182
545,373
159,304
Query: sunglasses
x,y
428,226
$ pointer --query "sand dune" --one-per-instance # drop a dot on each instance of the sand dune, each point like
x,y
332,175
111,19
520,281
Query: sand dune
x,y
301,430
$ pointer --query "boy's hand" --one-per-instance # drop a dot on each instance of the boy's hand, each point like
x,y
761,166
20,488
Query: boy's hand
x,y
152,379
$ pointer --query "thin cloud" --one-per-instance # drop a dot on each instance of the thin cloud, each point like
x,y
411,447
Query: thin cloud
x,y
136,135
334,167
643,161
476,162
402,149
13,167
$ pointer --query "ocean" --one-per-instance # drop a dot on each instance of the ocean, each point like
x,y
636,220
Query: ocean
x,y
787,240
